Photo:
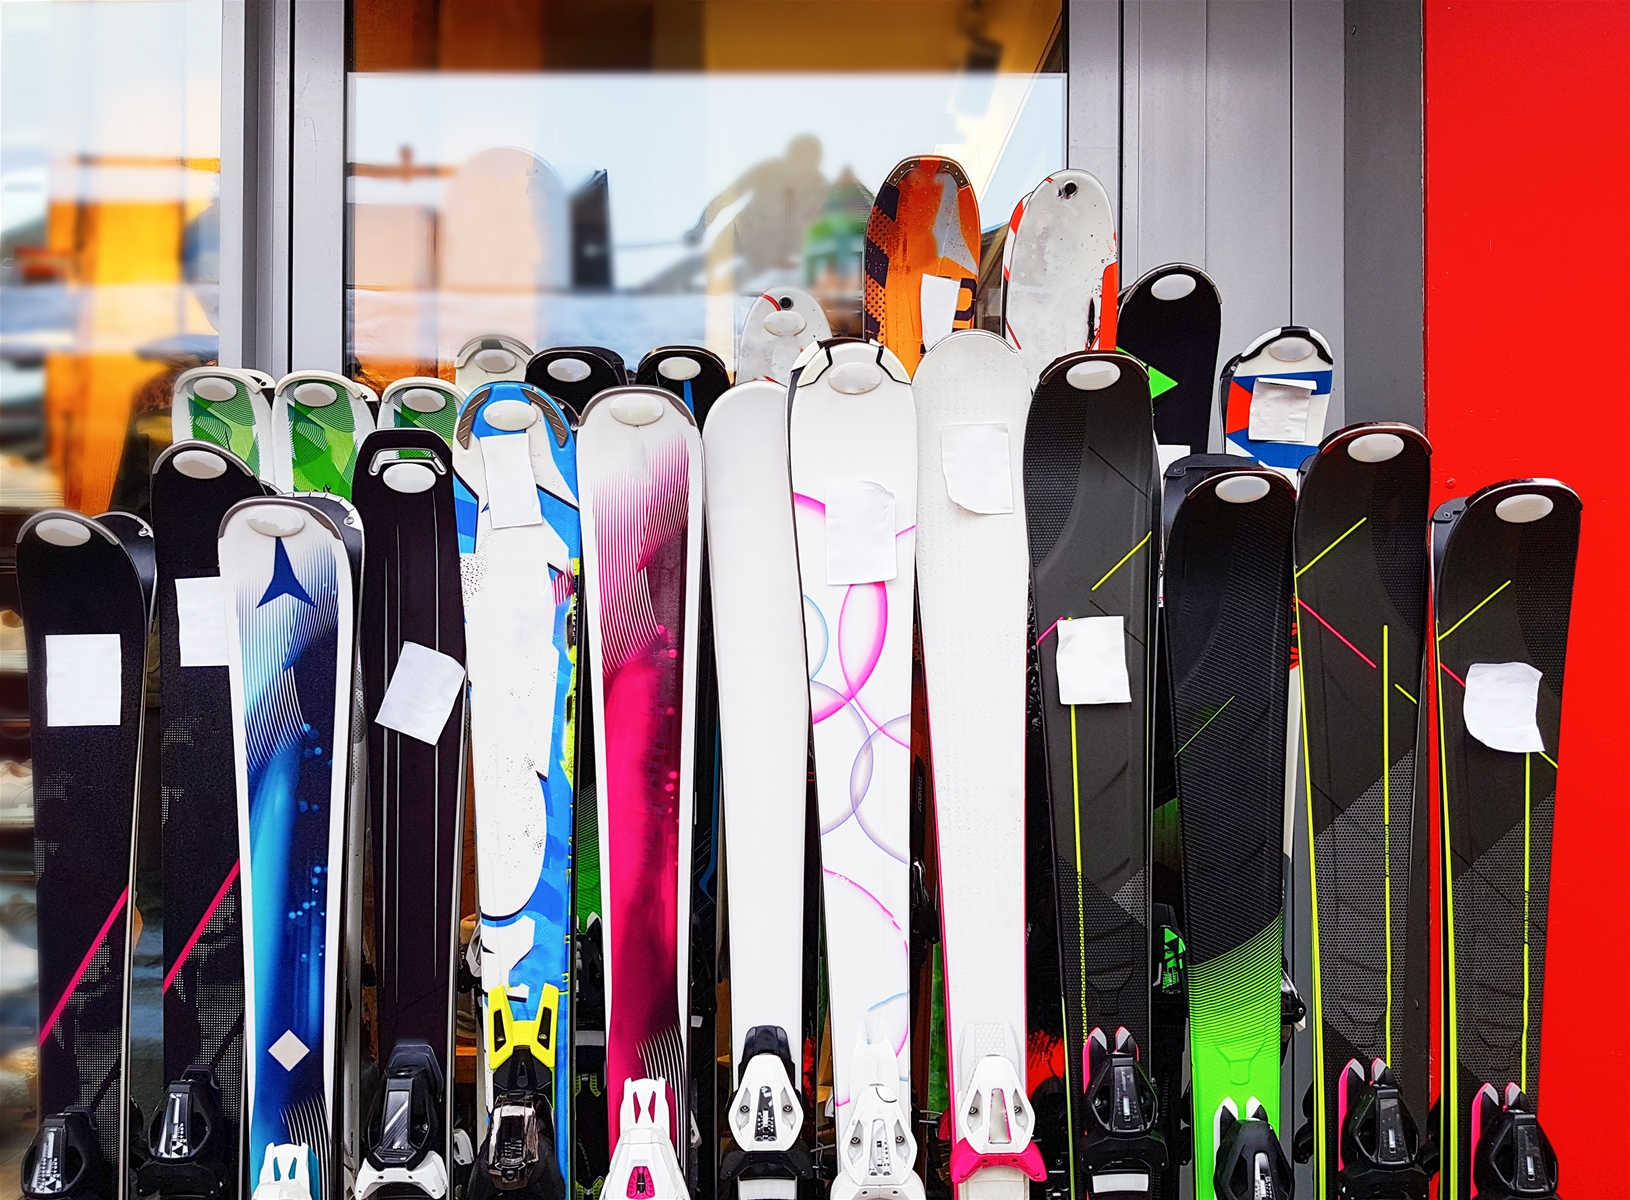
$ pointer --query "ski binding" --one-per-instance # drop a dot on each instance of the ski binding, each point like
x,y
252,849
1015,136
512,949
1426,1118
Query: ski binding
x,y
766,1116
1512,1158
1123,1150
1379,1156
65,1142
644,1166
188,1154
994,1154
1250,1162
285,1173
406,1127
518,1156
877,1151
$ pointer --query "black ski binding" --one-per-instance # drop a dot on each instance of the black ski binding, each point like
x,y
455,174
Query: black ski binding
x,y
1250,1162
1380,1146
405,1129
64,1162
766,1114
1512,1158
518,1158
1122,1134
191,1151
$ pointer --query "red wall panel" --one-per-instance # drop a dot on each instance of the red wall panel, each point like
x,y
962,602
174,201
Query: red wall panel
x,y
1527,374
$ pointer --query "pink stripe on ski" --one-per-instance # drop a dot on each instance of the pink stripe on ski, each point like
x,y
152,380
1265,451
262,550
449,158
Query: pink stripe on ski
x,y
84,965
209,912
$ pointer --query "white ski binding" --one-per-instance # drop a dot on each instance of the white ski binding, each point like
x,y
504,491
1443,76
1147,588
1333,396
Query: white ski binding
x,y
876,1150
766,1116
644,1166
285,1172
993,1154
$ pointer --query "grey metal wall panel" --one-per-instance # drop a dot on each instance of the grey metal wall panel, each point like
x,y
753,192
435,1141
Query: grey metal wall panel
x,y
317,224
1094,106
1248,99
1383,212
1317,247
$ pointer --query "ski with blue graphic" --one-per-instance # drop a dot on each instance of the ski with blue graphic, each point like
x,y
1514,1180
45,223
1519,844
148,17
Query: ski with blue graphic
x,y
1275,394
520,542
287,578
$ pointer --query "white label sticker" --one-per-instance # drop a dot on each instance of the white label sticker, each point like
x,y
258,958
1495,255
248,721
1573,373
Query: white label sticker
x,y
978,471
200,621
82,679
939,297
1092,661
1279,409
1167,454
421,693
859,532
1501,699
512,492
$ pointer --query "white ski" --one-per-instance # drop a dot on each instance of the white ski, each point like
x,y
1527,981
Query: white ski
x,y
488,359
853,447
779,325
758,638
973,570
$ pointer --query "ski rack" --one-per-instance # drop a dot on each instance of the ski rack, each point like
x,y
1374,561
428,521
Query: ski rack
x,y
876,1153
643,1165
405,1126
64,1140
1379,1157
182,1163
1123,1150
766,1117
1512,1158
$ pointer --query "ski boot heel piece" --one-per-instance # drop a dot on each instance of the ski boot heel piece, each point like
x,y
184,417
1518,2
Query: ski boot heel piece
x,y
65,1160
406,1129
1379,1156
1123,1151
189,1156
1512,1158
644,1165
876,1151
766,1116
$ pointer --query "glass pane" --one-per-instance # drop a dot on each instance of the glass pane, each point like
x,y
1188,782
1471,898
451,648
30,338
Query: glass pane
x,y
634,175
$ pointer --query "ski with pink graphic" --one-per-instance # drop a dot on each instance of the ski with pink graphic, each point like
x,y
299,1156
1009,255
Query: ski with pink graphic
x,y
640,486
853,446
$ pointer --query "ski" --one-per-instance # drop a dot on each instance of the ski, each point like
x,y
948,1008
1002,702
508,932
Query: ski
x,y
697,376
318,421
1361,576
412,653
490,358
778,326
574,375
1228,614
640,468
288,579
1171,319
85,619
519,537
1275,394
421,402
853,448
1091,494
972,398
1059,271
764,733
921,258
1504,571
193,1138
228,408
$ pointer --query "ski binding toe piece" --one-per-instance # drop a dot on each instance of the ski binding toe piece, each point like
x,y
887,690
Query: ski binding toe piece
x,y
1122,1151
187,1143
285,1173
994,1155
65,1160
1512,1158
406,1128
876,1150
1250,1162
1380,1146
643,1165
766,1117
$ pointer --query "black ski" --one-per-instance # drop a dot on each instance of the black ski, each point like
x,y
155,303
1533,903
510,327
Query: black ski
x,y
574,375
694,374
1172,320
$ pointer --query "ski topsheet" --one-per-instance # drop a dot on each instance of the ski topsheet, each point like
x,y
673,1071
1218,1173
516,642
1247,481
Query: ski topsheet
x,y
853,446
412,674
422,402
1227,613
1059,271
696,375
1172,320
85,619
289,637
1504,590
228,408
1275,395
1361,578
764,735
640,466
972,397
574,375
1092,495
490,358
922,258
194,484
519,536
778,325
318,421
